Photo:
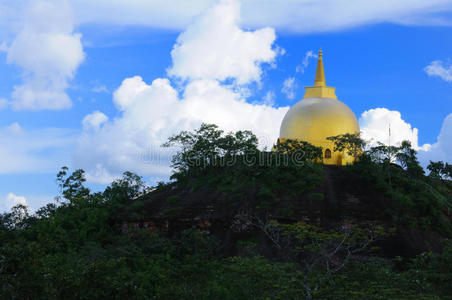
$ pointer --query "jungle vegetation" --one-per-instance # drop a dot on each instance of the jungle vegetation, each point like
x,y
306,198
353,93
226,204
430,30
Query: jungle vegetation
x,y
74,248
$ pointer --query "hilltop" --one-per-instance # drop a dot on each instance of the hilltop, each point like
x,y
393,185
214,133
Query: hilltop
x,y
235,222
325,196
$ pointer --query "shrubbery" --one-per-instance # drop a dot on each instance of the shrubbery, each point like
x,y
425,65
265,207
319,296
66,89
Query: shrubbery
x,y
75,249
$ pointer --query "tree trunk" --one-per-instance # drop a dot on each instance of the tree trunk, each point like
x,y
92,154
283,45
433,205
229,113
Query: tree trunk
x,y
308,291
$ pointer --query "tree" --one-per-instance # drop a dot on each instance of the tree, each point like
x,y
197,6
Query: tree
x,y
431,271
307,150
19,214
352,143
319,253
407,157
404,154
205,146
436,169
129,187
448,170
17,218
46,211
71,186
383,153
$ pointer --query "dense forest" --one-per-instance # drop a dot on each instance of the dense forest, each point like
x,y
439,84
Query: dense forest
x,y
282,226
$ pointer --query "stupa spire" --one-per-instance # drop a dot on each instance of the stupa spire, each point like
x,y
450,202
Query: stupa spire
x,y
320,73
320,90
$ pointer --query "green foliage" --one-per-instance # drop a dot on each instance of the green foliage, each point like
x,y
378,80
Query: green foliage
x,y
302,150
440,170
383,154
232,164
248,247
432,272
130,186
173,199
207,147
317,252
171,211
72,186
407,157
316,196
285,211
136,206
349,142
265,193
17,218
404,154
75,249
447,171
414,200
374,278
162,186
36,263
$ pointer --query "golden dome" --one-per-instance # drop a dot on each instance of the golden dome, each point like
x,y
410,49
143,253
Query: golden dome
x,y
318,116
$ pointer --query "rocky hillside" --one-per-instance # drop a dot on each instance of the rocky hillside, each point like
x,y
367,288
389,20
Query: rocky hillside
x,y
325,196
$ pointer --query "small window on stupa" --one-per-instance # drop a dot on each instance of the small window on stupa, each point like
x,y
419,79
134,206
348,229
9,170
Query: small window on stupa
x,y
327,153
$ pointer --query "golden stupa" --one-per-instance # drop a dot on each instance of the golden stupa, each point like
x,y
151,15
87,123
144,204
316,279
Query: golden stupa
x,y
320,115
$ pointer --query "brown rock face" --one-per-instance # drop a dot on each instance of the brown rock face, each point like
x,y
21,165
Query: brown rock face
x,y
340,199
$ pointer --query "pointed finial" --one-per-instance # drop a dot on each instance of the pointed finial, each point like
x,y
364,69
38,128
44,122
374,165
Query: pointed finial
x,y
320,90
320,74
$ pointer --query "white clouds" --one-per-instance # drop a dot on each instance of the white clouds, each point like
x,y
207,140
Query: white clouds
x,y
33,202
211,50
10,200
289,87
209,102
304,64
438,69
94,120
173,14
322,16
48,52
151,113
296,16
375,123
13,200
34,151
269,98
134,92
100,89
3,103
442,149
14,128
214,47
9,22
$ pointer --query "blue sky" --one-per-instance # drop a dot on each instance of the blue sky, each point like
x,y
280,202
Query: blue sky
x,y
380,62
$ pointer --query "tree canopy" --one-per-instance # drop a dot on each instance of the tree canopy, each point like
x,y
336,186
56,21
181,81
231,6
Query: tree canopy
x,y
305,150
351,143
203,147
440,170
81,247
